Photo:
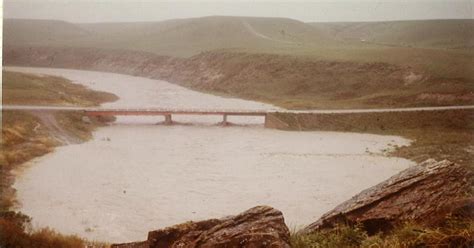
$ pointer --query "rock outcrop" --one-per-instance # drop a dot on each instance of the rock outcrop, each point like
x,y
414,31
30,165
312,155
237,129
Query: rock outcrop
x,y
257,227
425,194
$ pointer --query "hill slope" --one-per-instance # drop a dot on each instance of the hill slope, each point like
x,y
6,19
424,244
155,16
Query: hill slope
x,y
181,37
22,32
429,33
187,37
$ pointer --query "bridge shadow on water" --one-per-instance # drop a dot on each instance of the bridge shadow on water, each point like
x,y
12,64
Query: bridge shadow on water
x,y
223,125
191,122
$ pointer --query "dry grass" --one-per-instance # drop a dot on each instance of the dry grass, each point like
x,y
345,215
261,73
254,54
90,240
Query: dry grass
x,y
455,231
22,88
22,142
294,82
459,235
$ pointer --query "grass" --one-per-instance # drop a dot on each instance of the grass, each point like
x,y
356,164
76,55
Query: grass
x,y
13,226
341,236
22,88
457,234
353,78
26,136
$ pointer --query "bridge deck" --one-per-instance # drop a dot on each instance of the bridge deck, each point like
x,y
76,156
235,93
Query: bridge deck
x,y
190,111
116,112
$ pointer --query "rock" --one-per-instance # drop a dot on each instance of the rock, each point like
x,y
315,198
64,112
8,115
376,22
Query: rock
x,y
260,226
142,244
425,194
86,119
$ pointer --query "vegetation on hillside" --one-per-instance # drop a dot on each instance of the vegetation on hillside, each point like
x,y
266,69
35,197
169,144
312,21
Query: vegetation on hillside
x,y
298,83
24,89
456,232
231,32
288,81
26,136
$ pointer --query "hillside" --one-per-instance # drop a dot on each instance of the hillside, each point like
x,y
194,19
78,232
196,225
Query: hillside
x,y
276,60
40,32
287,81
457,34
275,35
24,89
208,33
320,41
169,37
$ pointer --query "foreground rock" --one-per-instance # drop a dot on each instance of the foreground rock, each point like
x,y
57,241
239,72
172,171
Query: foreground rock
x,y
257,227
425,194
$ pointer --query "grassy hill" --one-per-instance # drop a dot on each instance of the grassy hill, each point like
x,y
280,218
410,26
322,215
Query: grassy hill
x,y
181,37
24,89
40,32
190,36
187,37
458,34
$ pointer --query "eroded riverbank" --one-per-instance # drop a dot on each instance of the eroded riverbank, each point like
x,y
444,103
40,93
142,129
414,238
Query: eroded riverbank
x,y
132,178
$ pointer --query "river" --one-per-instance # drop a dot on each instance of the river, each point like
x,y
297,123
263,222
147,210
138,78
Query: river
x,y
135,176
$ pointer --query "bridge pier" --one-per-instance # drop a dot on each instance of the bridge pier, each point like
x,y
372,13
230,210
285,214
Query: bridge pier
x,y
224,120
168,120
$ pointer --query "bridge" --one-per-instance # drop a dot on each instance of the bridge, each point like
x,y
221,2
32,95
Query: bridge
x,y
169,112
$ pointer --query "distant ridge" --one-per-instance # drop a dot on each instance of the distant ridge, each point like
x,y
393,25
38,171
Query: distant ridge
x,y
454,33
181,37
44,32
191,36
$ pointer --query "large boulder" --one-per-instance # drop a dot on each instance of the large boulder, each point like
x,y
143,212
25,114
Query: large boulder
x,y
424,194
260,226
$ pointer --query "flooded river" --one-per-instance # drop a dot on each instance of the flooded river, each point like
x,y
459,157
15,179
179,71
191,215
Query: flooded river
x,y
135,176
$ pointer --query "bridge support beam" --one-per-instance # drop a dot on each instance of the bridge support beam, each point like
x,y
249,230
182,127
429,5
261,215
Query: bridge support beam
x,y
168,120
224,120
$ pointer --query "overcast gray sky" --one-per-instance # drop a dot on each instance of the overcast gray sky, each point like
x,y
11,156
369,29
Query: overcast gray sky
x,y
316,10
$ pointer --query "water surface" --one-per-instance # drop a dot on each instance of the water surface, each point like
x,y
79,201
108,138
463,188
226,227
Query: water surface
x,y
134,176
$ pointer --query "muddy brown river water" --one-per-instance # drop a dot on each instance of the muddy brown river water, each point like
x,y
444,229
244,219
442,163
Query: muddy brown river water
x,y
135,176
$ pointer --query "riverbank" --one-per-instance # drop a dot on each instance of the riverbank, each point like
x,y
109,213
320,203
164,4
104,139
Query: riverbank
x,y
443,134
283,80
26,136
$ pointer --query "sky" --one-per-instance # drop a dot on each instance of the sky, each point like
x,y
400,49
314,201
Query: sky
x,y
307,11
